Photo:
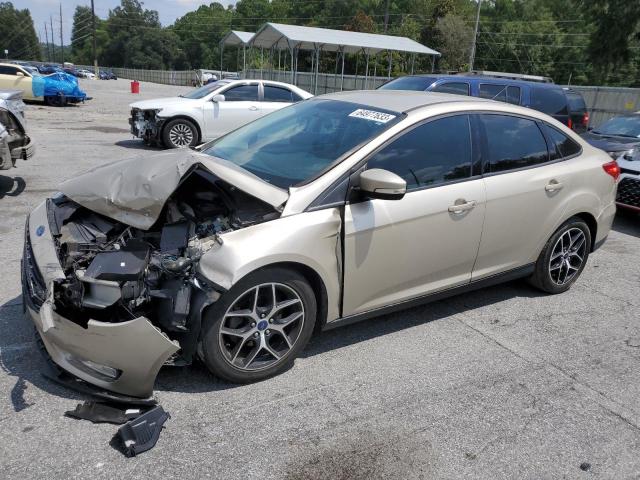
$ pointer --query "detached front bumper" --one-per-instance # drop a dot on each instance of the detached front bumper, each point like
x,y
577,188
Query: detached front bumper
x,y
25,152
122,357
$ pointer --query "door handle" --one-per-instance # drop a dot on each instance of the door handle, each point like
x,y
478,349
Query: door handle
x,y
253,108
462,206
553,186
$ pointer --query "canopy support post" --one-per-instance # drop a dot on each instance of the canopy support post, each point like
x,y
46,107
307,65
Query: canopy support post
x,y
342,74
244,61
433,62
366,72
261,62
413,62
390,60
221,53
375,68
335,75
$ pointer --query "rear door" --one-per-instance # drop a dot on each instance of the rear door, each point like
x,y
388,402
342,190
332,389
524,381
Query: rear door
x,y
276,97
526,190
396,250
241,105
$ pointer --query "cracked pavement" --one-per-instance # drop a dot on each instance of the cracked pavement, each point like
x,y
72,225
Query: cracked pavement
x,y
504,382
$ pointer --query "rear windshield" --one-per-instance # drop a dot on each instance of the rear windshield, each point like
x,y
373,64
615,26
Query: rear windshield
x,y
551,101
408,83
576,102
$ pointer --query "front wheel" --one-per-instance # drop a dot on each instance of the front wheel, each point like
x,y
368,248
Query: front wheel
x,y
563,257
180,133
258,328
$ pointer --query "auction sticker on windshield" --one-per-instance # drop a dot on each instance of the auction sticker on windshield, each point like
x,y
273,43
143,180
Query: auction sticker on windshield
x,y
372,115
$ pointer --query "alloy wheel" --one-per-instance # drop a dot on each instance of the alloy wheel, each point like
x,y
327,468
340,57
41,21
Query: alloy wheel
x,y
181,135
567,256
261,326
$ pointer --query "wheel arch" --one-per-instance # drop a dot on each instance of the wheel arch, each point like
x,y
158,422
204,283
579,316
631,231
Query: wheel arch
x,y
314,279
592,223
183,117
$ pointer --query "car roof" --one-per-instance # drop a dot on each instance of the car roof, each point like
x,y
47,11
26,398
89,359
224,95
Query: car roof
x,y
485,79
400,100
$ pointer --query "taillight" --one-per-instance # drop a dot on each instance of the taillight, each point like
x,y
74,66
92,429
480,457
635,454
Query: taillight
x,y
570,123
585,119
612,168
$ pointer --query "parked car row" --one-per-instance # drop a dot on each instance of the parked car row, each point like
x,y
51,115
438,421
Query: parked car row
x,y
57,88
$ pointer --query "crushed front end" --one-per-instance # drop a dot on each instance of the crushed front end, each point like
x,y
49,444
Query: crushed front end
x,y
114,303
146,124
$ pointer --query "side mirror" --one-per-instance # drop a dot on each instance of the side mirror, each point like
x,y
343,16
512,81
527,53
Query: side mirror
x,y
19,74
383,184
217,98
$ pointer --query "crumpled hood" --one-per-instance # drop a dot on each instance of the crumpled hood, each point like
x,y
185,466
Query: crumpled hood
x,y
134,191
157,103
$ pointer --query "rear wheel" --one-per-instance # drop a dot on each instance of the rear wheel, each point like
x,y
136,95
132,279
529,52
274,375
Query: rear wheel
x,y
258,328
563,257
180,133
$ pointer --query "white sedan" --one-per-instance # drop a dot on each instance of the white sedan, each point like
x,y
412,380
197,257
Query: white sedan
x,y
210,111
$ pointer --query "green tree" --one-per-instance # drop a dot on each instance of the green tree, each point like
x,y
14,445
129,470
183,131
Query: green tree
x,y
17,34
453,36
82,35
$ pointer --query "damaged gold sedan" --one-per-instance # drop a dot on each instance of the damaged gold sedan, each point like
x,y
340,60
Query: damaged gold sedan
x,y
326,212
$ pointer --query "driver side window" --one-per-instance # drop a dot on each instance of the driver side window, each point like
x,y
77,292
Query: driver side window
x,y
242,93
430,154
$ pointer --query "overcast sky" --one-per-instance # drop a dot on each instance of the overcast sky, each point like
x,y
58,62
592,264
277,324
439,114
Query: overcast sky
x,y
41,10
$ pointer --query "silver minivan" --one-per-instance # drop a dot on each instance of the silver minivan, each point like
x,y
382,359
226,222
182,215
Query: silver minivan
x,y
330,211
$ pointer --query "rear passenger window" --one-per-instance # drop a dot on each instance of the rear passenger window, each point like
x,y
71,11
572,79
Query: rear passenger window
x,y
457,88
513,95
277,94
564,146
551,101
494,92
435,152
512,142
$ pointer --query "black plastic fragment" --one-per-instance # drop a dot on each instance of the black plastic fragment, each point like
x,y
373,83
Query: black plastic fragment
x,y
56,374
142,433
98,412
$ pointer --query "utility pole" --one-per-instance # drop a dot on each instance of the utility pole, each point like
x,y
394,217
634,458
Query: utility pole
x,y
472,56
386,16
53,42
93,27
46,37
61,41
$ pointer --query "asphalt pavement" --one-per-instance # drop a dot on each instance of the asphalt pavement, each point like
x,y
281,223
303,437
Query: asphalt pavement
x,y
501,383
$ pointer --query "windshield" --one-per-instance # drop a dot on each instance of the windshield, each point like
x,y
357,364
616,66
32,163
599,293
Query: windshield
x,y
408,83
205,90
621,126
298,142
33,71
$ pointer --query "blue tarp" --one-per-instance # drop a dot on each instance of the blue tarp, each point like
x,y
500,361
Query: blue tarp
x,y
56,84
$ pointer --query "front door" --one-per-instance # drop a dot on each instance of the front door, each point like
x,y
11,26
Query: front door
x,y
241,105
396,250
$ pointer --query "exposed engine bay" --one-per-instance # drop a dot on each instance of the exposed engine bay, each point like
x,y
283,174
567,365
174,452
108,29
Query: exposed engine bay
x,y
115,272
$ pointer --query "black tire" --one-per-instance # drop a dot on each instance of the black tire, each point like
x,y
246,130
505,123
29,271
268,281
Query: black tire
x,y
546,275
180,128
215,350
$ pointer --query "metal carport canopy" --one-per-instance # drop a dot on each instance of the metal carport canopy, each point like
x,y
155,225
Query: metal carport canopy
x,y
310,38
236,37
